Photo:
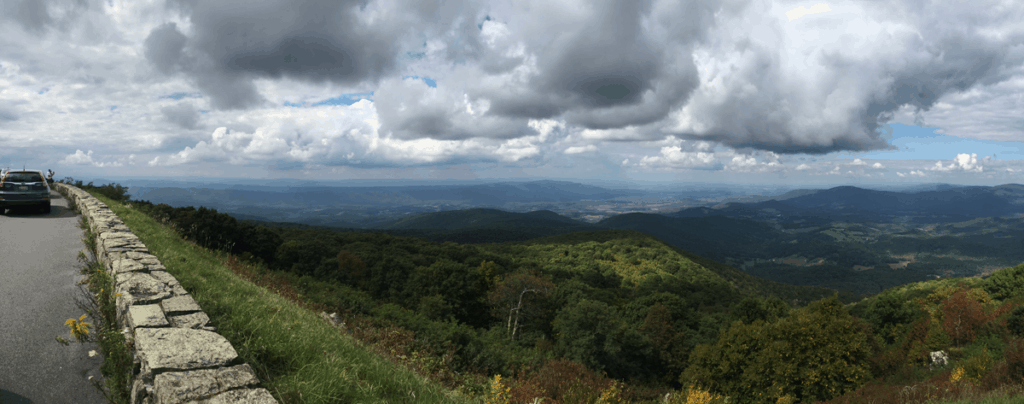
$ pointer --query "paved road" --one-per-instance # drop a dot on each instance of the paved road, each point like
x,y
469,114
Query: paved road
x,y
38,275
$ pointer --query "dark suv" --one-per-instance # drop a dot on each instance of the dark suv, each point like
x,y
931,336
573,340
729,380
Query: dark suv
x,y
24,188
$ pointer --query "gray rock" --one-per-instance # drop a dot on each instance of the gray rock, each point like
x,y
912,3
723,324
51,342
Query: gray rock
x,y
144,288
181,387
170,281
126,265
148,315
180,305
248,396
197,320
141,392
182,349
135,288
143,258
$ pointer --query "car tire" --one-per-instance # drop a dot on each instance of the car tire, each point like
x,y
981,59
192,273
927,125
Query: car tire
x,y
46,209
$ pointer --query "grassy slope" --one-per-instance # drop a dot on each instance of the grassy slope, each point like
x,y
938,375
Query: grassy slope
x,y
298,356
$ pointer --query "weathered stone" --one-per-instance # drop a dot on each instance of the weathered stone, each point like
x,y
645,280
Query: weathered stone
x,y
135,288
115,243
143,258
170,281
197,320
248,396
156,267
141,392
182,349
148,315
126,265
145,288
180,305
108,235
180,387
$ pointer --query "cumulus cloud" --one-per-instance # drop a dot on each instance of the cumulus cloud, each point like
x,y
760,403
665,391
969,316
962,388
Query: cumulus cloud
x,y
345,135
581,149
78,158
701,156
693,84
85,159
912,173
759,83
962,162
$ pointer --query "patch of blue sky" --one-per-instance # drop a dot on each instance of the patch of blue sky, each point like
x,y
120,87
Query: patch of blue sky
x,y
917,143
113,107
344,99
481,25
430,82
178,96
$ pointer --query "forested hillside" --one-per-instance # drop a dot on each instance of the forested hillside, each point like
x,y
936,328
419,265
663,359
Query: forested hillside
x,y
618,313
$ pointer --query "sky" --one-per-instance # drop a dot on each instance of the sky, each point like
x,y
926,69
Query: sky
x,y
735,91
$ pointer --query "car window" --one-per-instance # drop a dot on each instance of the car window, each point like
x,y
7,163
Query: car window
x,y
23,177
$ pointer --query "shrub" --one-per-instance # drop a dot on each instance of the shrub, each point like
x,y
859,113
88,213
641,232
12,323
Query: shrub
x,y
815,353
976,366
1015,323
962,314
1014,355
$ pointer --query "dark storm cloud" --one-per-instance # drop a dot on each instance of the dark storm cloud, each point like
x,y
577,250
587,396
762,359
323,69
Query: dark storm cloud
x,y
32,15
608,71
183,114
234,41
163,47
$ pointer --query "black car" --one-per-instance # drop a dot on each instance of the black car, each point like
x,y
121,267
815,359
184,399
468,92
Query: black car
x,y
24,188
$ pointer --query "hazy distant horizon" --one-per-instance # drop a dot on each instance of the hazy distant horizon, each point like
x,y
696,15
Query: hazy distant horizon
x,y
224,182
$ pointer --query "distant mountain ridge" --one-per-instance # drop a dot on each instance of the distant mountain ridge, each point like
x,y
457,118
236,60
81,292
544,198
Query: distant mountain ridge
x,y
496,194
955,203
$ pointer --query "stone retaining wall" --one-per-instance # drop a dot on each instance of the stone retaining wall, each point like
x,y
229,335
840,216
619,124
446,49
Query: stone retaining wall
x,y
179,357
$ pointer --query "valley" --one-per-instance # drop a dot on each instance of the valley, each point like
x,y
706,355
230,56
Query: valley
x,y
852,239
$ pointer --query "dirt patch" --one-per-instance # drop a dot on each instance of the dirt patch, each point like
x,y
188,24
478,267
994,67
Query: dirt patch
x,y
904,260
798,261
862,268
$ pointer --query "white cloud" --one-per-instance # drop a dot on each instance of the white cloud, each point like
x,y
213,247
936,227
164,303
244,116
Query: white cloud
x,y
912,173
963,162
675,157
85,159
581,149
78,158
706,84
802,11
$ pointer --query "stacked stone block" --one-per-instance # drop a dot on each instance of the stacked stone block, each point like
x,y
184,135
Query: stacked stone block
x,y
179,357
